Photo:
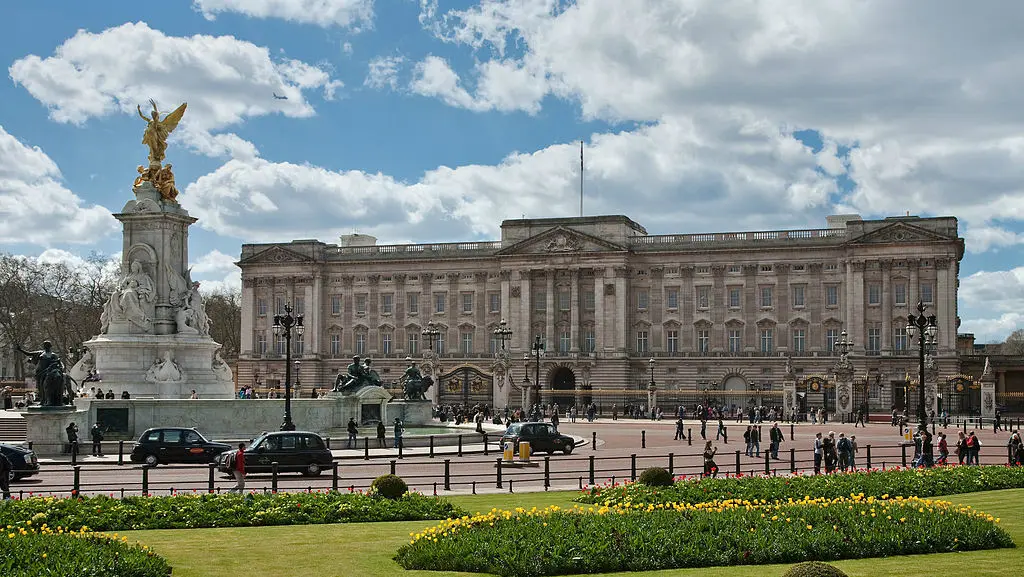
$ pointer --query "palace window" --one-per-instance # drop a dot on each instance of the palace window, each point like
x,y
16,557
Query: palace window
x,y
641,341
298,345
360,343
439,342
540,301
703,297
466,339
798,296
413,342
734,297
642,300
831,338
440,300
926,293
874,341
300,305
799,341
563,300
261,344
412,301
767,340
279,344
494,302
672,340
467,303
261,307
335,345
387,304
900,294
335,304
874,294
564,342
589,341
278,305
900,340
672,298
831,295
360,305
703,341
588,300
735,341
385,343
766,296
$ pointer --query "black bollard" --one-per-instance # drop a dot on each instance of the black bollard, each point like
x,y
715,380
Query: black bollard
x,y
643,439
366,448
792,460
903,450
792,431
78,481
401,448
689,437
120,453
460,445
145,481
448,475
497,473
393,464
593,441
591,478
547,473
334,477
671,464
767,463
738,470
632,467
431,455
210,479
725,435
74,453
273,477
868,453
485,445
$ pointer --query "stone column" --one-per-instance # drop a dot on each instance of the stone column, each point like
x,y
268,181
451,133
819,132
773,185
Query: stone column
x,y
856,322
599,314
248,310
944,296
687,305
550,312
621,314
574,311
914,286
505,291
525,310
887,302
373,315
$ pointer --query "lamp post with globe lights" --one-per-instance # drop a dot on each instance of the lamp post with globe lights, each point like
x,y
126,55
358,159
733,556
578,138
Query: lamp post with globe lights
x,y
285,324
925,330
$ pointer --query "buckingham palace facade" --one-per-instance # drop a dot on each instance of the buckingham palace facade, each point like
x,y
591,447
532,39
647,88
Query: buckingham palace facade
x,y
718,317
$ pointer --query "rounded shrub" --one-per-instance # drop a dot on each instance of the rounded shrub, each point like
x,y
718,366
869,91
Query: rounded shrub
x,y
389,487
814,569
656,477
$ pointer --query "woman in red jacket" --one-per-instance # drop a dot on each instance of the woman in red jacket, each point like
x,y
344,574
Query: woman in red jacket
x,y
238,469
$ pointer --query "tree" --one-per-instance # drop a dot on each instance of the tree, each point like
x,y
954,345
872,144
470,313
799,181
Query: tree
x,y
224,308
1014,344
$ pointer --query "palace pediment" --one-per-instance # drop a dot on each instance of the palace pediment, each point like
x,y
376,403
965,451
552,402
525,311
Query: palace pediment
x,y
899,232
276,255
561,240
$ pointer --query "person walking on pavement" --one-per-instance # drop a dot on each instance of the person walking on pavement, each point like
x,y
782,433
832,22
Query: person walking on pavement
x,y
704,426
72,431
353,431
748,439
710,467
818,446
680,427
238,469
382,434
6,467
97,439
775,437
399,429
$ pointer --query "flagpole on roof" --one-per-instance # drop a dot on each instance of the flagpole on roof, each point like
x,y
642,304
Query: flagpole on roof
x,y
581,178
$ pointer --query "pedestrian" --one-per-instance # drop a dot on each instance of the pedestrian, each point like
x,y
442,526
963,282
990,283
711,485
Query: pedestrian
x,y
399,429
853,452
72,432
710,467
775,437
943,449
755,440
844,449
860,418
703,426
382,434
97,439
680,428
829,452
818,446
997,424
927,455
238,469
973,449
721,429
748,439
6,394
961,448
6,468
615,412
353,432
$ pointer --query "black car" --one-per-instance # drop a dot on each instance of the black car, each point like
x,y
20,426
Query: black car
x,y
24,460
295,451
175,445
543,438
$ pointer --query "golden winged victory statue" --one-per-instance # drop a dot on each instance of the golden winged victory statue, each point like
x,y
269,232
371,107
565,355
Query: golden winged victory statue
x,y
155,137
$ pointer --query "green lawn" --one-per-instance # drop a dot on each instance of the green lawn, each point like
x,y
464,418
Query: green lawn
x,y
366,549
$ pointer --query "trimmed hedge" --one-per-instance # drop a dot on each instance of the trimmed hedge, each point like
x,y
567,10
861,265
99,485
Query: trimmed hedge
x,y
656,477
29,551
206,510
389,487
648,537
814,569
933,482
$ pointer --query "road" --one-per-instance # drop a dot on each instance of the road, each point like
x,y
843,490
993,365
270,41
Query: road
x,y
612,458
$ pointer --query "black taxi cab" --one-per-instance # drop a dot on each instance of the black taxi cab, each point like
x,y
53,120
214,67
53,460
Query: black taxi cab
x,y
293,451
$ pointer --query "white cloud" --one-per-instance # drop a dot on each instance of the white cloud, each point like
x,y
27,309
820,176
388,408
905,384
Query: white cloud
x,y
985,238
998,293
324,13
217,272
35,208
228,80
750,163
383,72
214,262
921,92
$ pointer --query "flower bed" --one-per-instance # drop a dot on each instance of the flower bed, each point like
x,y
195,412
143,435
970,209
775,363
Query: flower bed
x,y
645,537
32,550
205,510
898,481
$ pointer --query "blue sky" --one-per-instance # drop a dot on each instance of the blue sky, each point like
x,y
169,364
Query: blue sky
x,y
430,120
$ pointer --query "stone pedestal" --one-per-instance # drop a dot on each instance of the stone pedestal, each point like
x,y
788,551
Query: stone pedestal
x,y
844,394
124,362
46,426
412,413
367,405
988,400
789,404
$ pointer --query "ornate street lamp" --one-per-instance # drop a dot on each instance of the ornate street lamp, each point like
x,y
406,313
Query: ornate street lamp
x,y
502,333
285,323
925,330
430,335
537,349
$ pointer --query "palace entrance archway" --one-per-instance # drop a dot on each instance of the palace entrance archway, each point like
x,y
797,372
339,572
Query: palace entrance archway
x,y
563,387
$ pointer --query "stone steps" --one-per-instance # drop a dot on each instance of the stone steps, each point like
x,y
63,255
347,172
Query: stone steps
x,y
12,428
